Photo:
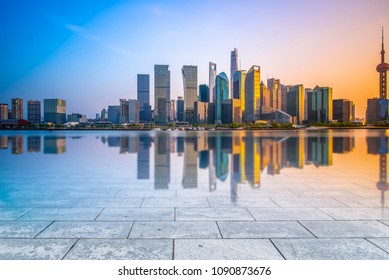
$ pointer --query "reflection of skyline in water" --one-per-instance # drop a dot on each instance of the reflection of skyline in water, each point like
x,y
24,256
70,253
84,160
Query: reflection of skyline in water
x,y
240,158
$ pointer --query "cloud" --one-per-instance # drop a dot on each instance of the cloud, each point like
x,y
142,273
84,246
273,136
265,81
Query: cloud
x,y
91,37
156,11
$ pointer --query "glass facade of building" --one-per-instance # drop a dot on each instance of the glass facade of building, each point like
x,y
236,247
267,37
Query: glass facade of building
x,y
222,93
252,94
189,77
54,111
34,111
162,94
143,95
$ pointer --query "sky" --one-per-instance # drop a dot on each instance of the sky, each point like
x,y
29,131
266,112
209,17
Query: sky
x,y
90,52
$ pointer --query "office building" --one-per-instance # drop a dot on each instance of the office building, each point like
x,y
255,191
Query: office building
x,y
204,93
133,111
54,111
189,77
172,111
265,98
233,67
212,81
295,104
221,90
34,111
77,118
239,88
342,110
180,109
274,87
143,95
201,112
17,109
114,114
162,94
231,111
104,114
320,105
124,111
377,110
284,96
252,94
3,111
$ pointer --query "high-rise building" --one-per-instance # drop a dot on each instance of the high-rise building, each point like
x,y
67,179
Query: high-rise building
x,y
233,67
252,94
239,89
104,114
295,104
17,109
143,87
201,112
284,95
342,110
172,111
320,105
162,94
274,87
34,111
124,111
180,109
221,90
212,81
265,98
203,93
3,111
189,77
54,111
114,114
231,111
383,68
133,111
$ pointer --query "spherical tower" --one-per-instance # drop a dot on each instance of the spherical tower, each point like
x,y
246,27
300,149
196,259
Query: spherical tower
x,y
383,68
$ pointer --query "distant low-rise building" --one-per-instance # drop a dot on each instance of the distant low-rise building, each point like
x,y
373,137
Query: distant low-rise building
x,y
77,118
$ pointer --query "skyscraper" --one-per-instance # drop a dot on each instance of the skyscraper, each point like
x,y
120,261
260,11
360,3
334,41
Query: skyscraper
x,y
34,111
212,81
143,90
17,109
295,104
320,105
189,77
274,86
233,67
162,94
3,111
239,89
204,93
114,114
221,93
342,110
124,111
382,68
133,111
252,93
180,109
54,111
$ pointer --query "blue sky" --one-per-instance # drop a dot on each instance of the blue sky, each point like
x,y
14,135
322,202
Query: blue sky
x,y
89,52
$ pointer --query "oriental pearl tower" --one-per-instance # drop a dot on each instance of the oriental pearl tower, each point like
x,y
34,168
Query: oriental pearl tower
x,y
382,68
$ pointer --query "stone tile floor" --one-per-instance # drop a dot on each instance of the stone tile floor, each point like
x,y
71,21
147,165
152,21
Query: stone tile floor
x,y
300,221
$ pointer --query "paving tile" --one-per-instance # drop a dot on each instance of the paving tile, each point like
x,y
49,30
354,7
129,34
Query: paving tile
x,y
45,203
347,228
213,214
265,193
90,202
13,213
69,214
202,193
34,249
324,193
361,202
241,202
291,214
127,249
263,230
174,230
143,194
383,243
21,229
225,249
329,249
136,214
308,202
357,213
87,230
175,202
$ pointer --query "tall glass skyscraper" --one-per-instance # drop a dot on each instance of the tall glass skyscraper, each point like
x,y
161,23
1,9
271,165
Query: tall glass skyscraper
x,y
54,110
252,93
221,90
295,103
203,93
143,86
162,94
212,78
234,66
34,111
320,105
239,88
189,76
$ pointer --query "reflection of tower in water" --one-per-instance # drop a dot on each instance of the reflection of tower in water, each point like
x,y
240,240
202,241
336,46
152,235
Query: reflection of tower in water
x,y
379,146
189,179
17,145
162,161
252,162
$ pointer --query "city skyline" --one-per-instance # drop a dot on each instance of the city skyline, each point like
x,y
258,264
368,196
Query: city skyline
x,y
83,56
